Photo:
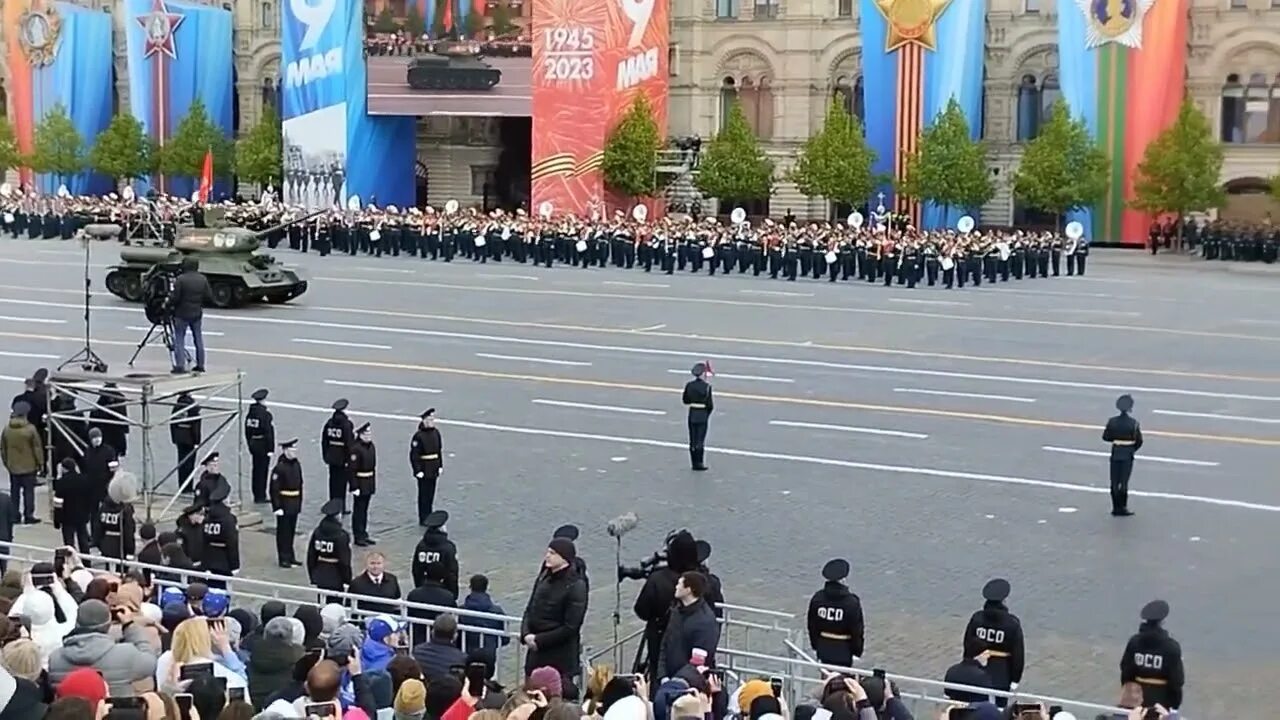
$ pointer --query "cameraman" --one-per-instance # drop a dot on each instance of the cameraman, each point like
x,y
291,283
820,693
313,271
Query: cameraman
x,y
657,596
190,292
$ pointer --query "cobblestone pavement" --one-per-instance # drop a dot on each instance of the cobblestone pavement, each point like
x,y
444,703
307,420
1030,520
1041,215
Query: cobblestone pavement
x,y
934,438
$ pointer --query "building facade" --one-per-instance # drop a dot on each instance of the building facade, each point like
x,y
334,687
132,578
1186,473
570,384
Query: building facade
x,y
784,61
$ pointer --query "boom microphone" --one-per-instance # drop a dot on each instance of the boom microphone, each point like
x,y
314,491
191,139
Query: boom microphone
x,y
622,525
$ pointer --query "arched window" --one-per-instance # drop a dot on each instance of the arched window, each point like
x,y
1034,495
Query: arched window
x,y
268,15
849,95
1028,108
1050,93
756,97
1233,110
728,96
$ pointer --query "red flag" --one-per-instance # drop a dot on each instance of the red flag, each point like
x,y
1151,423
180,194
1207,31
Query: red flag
x,y
709,370
447,17
206,177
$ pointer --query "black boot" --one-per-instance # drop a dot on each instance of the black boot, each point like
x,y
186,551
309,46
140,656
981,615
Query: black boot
x,y
698,464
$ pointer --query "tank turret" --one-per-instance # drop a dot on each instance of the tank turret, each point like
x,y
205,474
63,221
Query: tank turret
x,y
452,66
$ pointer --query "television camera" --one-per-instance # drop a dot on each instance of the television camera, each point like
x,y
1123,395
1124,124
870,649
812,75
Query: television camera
x,y
157,304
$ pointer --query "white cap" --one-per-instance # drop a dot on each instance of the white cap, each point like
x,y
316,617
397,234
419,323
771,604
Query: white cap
x,y
1064,715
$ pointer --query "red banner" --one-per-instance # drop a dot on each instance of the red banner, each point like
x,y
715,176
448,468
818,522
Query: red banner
x,y
590,58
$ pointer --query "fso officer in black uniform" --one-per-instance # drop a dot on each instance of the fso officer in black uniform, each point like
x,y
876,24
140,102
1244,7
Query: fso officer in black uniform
x,y
286,501
426,459
184,431
337,439
364,482
210,478
435,548
998,632
836,629
220,537
329,552
260,436
697,397
1153,659
116,528
1125,436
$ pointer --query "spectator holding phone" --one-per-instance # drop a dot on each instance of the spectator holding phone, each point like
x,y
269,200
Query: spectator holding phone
x,y
271,663
200,646
122,662
884,700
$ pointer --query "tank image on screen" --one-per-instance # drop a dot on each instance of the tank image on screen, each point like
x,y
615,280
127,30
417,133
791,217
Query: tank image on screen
x,y
454,65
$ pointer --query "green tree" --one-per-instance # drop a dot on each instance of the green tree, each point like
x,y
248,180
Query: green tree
x,y
413,21
121,151
501,17
950,167
733,166
836,163
183,153
258,154
385,22
58,148
10,156
475,25
630,164
1180,169
1275,181
1063,168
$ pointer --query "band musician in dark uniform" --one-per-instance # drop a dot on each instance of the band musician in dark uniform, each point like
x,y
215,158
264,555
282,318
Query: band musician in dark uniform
x,y
426,459
1153,660
697,397
286,501
329,553
260,436
998,632
1125,436
338,437
836,630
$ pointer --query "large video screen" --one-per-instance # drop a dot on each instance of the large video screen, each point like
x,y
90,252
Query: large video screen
x,y
448,57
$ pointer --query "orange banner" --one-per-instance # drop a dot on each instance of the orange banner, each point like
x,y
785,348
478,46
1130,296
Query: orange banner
x,y
590,58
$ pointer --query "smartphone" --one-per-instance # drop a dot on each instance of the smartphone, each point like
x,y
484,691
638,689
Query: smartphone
x,y
962,713
235,694
60,560
41,580
477,673
878,672
1026,709
194,670
183,701
1151,714
717,674
1054,710
132,701
775,683
323,710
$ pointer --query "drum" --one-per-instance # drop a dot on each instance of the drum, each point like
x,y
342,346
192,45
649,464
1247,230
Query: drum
x,y
8,217
479,241
375,235
830,257
708,252
948,263
580,246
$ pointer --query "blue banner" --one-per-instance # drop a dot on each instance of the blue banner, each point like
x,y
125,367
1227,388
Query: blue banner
x,y
954,70
1078,80
879,94
177,53
78,79
380,149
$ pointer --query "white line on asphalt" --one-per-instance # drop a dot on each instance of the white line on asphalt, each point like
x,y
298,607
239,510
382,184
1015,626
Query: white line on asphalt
x,y
1117,281
849,429
651,328
914,301
336,343
778,293
588,406
1147,458
34,321
377,386
1080,311
522,358
505,276
622,283
1216,416
729,376
1249,321
948,393
399,271
33,356
904,470
140,328
59,252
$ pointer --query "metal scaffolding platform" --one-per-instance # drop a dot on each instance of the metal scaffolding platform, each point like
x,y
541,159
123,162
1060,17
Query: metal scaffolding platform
x,y
144,401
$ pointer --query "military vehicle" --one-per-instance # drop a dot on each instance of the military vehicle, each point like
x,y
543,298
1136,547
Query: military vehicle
x,y
452,65
238,272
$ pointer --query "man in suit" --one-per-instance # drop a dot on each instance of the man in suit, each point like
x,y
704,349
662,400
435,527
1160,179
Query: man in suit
x,y
376,582
697,397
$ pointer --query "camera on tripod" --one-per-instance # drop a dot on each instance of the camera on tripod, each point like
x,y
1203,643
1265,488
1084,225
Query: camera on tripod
x,y
656,561
157,294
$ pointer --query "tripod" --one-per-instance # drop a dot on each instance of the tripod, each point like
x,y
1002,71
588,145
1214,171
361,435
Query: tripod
x,y
165,335
86,357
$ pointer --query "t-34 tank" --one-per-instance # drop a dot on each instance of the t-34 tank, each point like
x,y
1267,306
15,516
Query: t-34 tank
x,y
452,66
238,272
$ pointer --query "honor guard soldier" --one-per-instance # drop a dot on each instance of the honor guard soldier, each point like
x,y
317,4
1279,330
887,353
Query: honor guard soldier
x,y
697,397
329,552
210,478
260,436
338,437
436,549
1125,436
184,431
426,458
836,627
998,632
364,482
114,537
1153,660
221,536
286,501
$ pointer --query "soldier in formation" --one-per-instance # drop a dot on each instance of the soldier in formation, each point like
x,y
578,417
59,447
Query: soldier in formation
x,y
260,437
426,461
286,501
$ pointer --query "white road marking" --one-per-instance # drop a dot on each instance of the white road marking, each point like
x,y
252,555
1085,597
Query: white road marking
x,y
140,328
336,343
609,408
623,283
914,301
1117,281
778,293
948,393
849,429
1067,510
33,356
1148,458
729,376
1216,416
905,470
1248,321
1081,311
506,276
651,328
521,358
34,321
377,386
398,271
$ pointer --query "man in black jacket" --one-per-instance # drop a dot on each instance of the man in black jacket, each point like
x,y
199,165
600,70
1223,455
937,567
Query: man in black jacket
x,y
691,626
375,581
435,548
836,629
999,632
1125,436
184,431
431,591
190,292
697,397
552,626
